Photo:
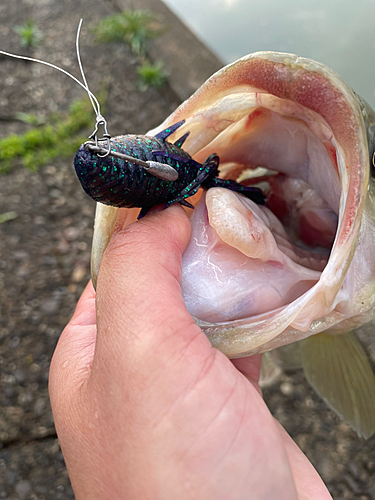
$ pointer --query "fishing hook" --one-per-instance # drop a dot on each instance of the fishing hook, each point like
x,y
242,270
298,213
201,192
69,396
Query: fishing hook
x,y
161,170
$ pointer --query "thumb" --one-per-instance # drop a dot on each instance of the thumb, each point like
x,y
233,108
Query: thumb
x,y
72,359
138,301
140,310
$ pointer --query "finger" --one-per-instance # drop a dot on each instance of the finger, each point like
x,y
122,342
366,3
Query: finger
x,y
140,309
309,484
74,352
84,313
250,368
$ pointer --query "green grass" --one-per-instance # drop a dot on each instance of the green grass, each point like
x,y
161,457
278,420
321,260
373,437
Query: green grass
x,y
151,75
8,216
30,118
135,27
40,145
30,35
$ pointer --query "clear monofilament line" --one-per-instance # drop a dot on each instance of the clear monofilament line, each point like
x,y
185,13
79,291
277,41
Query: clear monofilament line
x,y
97,108
92,97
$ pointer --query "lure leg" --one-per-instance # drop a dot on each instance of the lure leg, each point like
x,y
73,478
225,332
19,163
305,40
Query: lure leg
x,y
144,211
176,157
185,203
181,140
254,194
168,131
209,168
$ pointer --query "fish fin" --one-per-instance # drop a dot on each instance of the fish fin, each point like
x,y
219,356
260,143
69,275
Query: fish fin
x,y
288,356
269,370
168,131
181,140
337,368
277,361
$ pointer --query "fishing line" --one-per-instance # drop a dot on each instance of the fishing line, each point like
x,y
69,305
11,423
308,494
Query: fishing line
x,y
93,99
97,109
161,170
100,120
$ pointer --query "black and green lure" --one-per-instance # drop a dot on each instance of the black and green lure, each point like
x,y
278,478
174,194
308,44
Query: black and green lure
x,y
113,180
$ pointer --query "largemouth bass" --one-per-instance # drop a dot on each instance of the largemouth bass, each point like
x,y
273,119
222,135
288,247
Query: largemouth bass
x,y
301,268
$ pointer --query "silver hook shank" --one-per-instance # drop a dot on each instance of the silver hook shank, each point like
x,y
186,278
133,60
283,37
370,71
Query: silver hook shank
x,y
162,171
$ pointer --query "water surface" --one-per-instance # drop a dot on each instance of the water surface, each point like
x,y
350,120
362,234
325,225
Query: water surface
x,y
339,33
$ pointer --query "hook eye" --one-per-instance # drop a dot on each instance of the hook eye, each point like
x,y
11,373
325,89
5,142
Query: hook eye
x,y
100,120
107,137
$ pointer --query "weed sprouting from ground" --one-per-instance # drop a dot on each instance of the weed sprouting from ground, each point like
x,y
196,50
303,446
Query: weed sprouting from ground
x,y
8,216
135,27
30,118
151,75
30,35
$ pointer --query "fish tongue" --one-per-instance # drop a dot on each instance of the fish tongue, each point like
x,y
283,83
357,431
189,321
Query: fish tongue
x,y
255,231
233,267
241,225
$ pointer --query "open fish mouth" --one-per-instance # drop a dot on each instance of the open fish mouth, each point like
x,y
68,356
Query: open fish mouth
x,y
245,260
256,278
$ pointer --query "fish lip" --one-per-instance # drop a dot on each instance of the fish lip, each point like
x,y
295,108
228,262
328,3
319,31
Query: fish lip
x,y
284,77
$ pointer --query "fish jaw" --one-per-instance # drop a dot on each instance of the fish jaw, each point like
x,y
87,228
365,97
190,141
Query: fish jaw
x,y
106,217
301,90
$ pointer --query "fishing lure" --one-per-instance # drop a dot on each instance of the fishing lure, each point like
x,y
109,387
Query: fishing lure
x,y
139,170
121,181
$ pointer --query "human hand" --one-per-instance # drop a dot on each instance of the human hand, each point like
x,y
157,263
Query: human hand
x,y
145,408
